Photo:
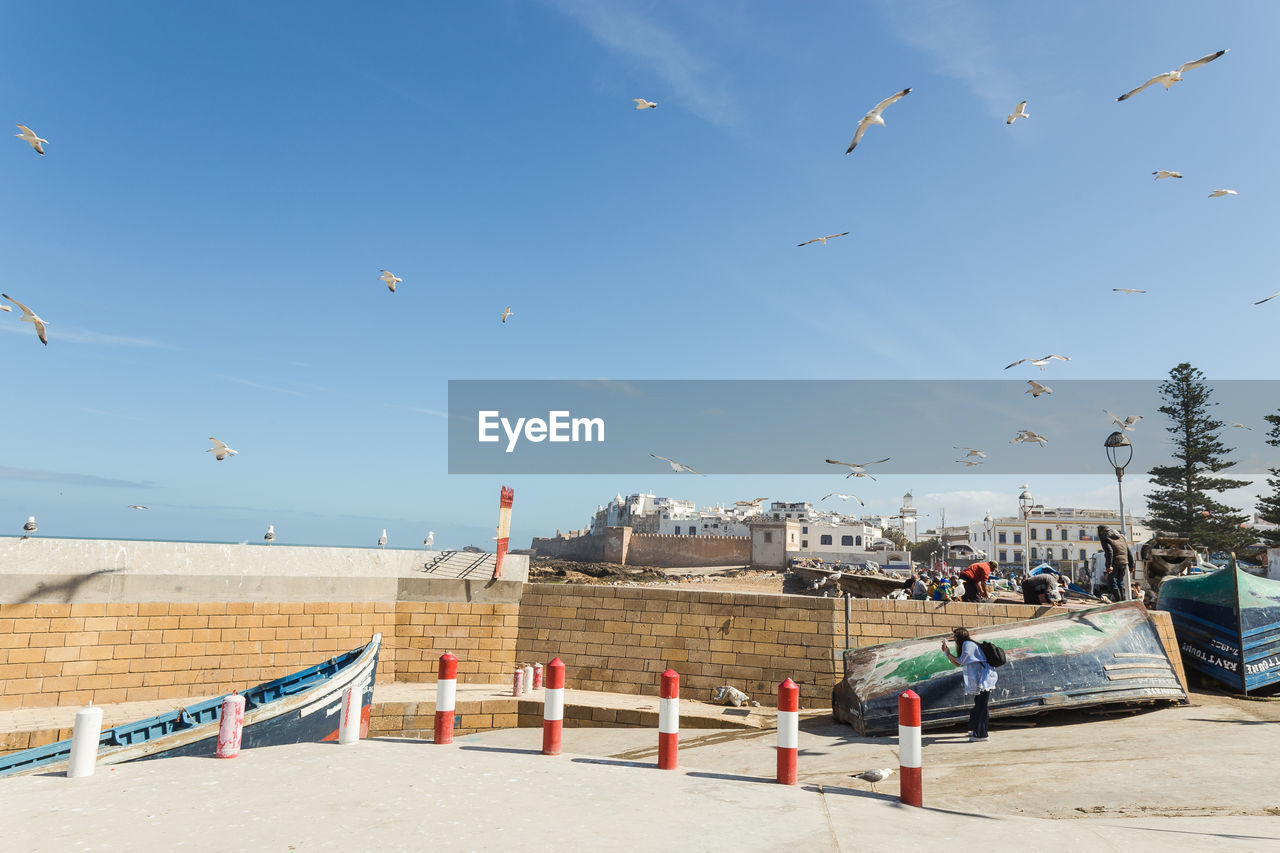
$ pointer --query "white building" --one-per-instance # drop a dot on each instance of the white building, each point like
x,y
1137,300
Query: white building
x,y
648,513
1066,536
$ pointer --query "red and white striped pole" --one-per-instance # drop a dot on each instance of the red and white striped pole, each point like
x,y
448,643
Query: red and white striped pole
x,y
669,720
517,681
505,500
909,749
349,721
788,731
446,697
553,708
230,727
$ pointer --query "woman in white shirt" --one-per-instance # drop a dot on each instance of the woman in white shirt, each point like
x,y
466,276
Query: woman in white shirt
x,y
979,680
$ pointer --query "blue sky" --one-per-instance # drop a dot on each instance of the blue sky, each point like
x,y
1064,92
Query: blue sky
x,y
224,182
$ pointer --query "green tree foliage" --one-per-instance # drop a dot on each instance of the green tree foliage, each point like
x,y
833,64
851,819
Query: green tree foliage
x,y
1181,504
921,551
897,538
1269,505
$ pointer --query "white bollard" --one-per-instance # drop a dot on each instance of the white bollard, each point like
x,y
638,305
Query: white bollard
x,y
528,678
349,727
84,742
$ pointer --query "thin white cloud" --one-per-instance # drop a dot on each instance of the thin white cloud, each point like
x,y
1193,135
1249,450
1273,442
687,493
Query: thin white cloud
x,y
66,334
954,35
695,81
38,475
433,412
260,386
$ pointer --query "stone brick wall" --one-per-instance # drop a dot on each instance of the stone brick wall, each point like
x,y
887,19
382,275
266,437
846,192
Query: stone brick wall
x,y
654,549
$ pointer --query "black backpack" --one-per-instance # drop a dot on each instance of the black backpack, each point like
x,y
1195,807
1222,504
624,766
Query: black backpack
x,y
993,653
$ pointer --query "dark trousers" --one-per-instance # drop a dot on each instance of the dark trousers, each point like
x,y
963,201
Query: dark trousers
x,y
979,717
970,591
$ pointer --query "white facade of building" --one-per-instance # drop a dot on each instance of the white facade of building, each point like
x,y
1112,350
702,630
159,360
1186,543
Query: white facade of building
x,y
648,513
1061,534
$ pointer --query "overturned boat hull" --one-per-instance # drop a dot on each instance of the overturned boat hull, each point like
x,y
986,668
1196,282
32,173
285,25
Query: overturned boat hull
x,y
298,708
1228,625
1101,656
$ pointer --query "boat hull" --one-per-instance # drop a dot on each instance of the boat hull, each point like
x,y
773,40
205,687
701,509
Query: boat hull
x,y
1228,626
298,708
1105,655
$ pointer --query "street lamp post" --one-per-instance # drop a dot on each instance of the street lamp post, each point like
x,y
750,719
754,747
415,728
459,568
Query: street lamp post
x,y
1116,445
991,526
1025,502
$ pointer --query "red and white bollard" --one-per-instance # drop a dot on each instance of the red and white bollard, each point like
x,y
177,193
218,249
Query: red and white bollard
x,y
446,697
230,727
553,708
84,742
528,679
788,731
537,676
669,720
909,749
517,681
505,500
349,725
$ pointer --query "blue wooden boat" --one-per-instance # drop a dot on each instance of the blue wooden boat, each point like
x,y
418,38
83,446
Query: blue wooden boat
x,y
1063,580
1228,625
1086,658
299,708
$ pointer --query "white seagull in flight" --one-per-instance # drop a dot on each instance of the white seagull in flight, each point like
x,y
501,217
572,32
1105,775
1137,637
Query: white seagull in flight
x,y
28,316
1168,78
1242,426
1164,173
755,502
220,450
391,279
970,462
1026,436
843,497
972,451
1020,112
1037,389
677,466
642,104
1125,423
136,506
507,313
823,240
857,470
1126,290
29,136
873,117
1268,299
1038,362
1221,193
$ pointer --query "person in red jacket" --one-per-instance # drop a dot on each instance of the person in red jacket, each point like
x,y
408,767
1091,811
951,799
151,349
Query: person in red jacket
x,y
975,580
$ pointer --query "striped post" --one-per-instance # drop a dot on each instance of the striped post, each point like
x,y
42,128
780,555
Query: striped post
x,y
505,499
517,681
909,751
84,742
553,708
788,731
230,727
537,676
446,697
349,722
669,720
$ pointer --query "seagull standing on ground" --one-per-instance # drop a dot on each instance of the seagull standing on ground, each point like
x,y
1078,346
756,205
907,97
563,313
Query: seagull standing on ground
x,y
391,279
1125,423
430,540
30,527
874,776
1268,299
823,240
220,450
1037,389
844,497
507,313
1126,290
1168,78
1020,112
271,534
857,470
677,466
28,316
1165,173
873,117
382,540
1221,193
29,136
1038,362
642,104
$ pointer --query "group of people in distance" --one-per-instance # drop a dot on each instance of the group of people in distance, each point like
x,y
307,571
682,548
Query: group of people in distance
x,y
971,583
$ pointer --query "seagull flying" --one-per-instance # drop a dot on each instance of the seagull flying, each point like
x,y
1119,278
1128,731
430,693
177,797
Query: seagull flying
x,y
1165,173
676,466
29,136
1268,299
1020,112
1125,423
1026,436
755,502
857,470
220,450
822,240
1221,193
873,117
136,506
29,317
642,104
1168,78
1126,290
874,776
972,451
1038,362
844,497
1241,426
507,313
970,462
271,533
5,308
391,279
1037,389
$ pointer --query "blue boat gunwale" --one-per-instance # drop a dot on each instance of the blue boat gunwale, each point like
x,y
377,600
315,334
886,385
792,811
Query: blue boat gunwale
x,y
199,720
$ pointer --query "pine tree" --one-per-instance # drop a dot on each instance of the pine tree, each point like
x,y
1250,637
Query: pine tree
x,y
1181,505
1269,505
